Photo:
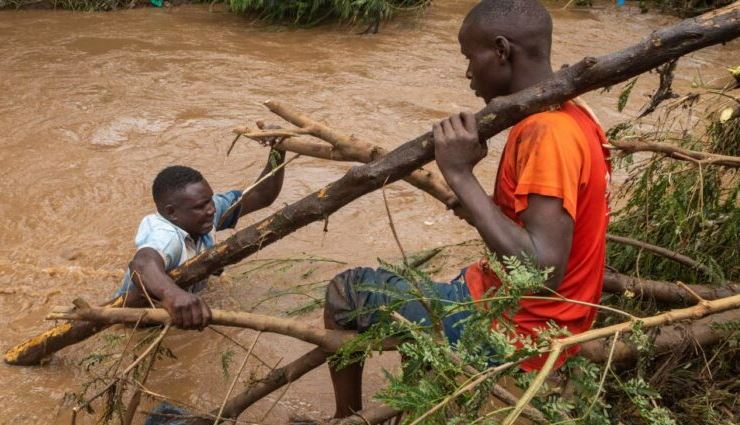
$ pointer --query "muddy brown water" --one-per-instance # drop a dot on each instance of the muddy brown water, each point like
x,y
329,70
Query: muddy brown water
x,y
93,105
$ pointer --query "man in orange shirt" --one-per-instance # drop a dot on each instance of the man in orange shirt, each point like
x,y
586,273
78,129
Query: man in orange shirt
x,y
549,202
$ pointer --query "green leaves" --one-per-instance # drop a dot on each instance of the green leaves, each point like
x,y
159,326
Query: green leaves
x,y
625,94
314,12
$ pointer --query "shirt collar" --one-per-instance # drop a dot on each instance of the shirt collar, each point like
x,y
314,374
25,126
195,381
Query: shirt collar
x,y
185,235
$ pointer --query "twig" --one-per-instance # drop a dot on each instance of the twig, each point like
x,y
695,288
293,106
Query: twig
x,y
675,152
607,366
136,397
238,344
236,378
126,371
246,191
233,143
393,227
663,252
686,288
277,400
665,89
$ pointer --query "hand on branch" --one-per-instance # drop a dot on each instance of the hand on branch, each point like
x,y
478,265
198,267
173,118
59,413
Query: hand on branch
x,y
271,142
457,145
187,310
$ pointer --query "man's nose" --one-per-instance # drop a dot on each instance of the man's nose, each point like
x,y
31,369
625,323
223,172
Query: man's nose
x,y
468,73
211,209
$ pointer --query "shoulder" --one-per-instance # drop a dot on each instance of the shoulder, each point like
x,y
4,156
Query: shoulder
x,y
154,226
556,122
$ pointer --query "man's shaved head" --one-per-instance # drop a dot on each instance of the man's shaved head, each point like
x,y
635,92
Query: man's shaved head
x,y
525,23
507,43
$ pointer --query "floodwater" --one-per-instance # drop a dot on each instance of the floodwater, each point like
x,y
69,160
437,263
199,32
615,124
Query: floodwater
x,y
93,105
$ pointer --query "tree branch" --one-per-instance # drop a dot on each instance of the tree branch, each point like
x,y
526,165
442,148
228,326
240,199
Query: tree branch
x,y
665,292
663,252
675,152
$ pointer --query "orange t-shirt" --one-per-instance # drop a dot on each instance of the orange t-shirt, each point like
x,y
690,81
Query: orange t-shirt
x,y
559,154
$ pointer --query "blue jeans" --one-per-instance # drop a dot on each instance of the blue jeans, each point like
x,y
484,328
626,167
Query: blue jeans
x,y
354,296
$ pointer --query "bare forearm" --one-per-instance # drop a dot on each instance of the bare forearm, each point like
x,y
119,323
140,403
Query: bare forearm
x,y
148,266
500,234
266,192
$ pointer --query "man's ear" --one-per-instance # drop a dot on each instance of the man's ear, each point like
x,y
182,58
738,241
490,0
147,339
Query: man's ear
x,y
503,48
169,212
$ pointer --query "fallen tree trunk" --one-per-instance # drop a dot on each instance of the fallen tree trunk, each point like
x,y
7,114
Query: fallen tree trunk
x,y
665,292
670,338
589,74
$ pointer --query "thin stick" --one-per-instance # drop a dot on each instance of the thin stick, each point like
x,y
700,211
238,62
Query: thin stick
x,y
277,400
393,227
663,252
126,371
238,344
693,293
233,143
536,384
676,152
236,378
136,397
603,375
246,191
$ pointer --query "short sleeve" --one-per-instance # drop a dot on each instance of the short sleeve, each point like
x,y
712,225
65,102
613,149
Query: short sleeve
x,y
223,201
549,161
161,239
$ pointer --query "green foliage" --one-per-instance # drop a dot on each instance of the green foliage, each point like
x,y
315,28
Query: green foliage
x,y
684,8
227,357
313,12
685,207
645,399
80,5
625,94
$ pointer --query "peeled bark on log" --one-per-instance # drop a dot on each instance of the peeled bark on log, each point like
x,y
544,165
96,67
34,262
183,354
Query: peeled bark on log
x,y
699,333
665,292
589,74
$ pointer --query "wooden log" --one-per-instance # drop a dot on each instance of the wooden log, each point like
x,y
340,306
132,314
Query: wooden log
x,y
589,74
670,338
665,292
